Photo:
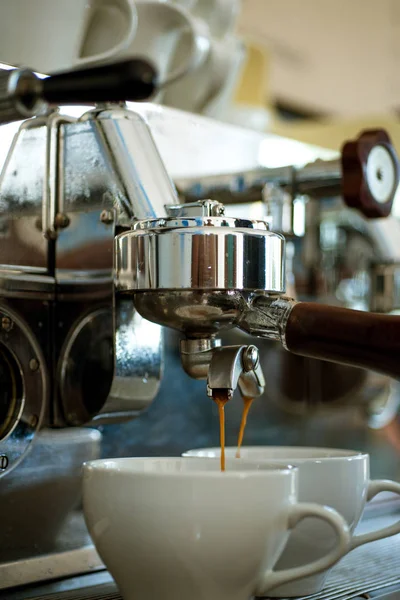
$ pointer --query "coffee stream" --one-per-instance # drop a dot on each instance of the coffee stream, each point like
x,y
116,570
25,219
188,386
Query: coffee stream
x,y
221,397
247,404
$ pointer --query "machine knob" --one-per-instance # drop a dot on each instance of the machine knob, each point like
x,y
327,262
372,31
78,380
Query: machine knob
x,y
370,173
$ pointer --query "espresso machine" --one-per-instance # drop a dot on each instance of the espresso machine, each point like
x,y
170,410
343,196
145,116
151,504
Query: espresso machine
x,y
129,288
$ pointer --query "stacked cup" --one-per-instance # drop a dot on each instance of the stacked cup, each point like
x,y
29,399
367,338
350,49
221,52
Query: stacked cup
x,y
180,528
327,476
192,43
210,86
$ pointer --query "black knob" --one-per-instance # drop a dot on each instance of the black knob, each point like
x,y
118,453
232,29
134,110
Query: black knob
x,y
133,80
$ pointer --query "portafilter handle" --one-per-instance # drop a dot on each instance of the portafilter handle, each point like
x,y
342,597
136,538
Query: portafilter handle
x,y
24,95
341,335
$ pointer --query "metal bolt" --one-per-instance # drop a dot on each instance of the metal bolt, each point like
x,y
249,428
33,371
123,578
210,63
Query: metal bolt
x,y
33,364
3,462
61,220
33,421
107,217
250,358
6,324
50,234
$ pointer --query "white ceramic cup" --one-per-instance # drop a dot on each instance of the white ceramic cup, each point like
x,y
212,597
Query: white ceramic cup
x,y
180,528
215,78
50,35
332,477
160,28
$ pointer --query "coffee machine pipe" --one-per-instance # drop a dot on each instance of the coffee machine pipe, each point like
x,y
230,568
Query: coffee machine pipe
x,y
366,175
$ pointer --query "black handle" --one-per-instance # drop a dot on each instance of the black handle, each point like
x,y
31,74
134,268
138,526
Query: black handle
x,y
133,80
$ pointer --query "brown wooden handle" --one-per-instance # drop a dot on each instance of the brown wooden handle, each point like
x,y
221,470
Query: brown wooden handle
x,y
361,339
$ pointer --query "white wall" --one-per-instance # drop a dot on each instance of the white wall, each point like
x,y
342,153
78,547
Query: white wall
x,y
339,56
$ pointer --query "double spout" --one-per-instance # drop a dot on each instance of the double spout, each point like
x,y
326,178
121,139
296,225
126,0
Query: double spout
x,y
225,368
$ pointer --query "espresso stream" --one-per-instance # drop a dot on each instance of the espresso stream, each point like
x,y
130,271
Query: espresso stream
x,y
221,397
247,403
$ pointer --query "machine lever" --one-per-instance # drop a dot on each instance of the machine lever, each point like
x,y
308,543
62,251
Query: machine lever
x,y
23,94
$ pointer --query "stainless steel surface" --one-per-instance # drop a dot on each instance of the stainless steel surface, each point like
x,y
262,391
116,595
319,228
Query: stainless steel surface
x,y
70,553
22,187
204,208
266,317
39,568
236,366
86,367
139,364
73,183
225,368
24,389
200,253
52,202
195,313
385,287
141,171
121,178
319,177
19,95
194,146
38,498
196,355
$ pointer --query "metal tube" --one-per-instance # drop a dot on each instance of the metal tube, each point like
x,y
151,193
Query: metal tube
x,y
317,178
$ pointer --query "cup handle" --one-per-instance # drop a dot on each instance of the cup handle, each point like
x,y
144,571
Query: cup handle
x,y
122,45
374,488
200,45
298,512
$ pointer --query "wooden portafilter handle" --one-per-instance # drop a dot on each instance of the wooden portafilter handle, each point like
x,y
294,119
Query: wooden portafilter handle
x,y
360,339
341,335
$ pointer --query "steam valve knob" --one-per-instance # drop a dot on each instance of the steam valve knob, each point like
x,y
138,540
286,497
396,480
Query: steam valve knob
x,y
370,173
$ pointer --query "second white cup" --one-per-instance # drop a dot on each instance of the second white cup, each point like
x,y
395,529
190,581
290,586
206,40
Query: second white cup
x,y
161,26
329,476
53,35
180,528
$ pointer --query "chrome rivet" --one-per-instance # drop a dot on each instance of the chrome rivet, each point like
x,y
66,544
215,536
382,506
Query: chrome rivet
x,y
250,358
61,220
33,364
6,324
107,217
33,421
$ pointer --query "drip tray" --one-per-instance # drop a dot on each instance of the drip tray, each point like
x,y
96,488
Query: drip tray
x,y
371,571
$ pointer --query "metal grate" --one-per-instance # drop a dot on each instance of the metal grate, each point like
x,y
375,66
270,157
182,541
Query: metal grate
x,y
107,591
372,567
